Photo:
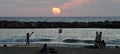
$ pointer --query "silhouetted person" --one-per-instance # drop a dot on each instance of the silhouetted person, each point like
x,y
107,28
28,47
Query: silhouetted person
x,y
98,39
45,50
5,45
117,47
103,44
28,39
98,36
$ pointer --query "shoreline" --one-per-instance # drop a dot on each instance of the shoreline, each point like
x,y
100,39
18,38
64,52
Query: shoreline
x,y
74,45
59,50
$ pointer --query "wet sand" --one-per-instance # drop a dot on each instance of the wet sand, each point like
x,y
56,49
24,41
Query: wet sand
x,y
59,50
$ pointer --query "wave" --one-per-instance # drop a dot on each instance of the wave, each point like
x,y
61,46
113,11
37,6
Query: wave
x,y
78,41
38,39
22,39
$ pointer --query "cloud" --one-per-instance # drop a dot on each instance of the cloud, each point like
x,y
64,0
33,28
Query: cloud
x,y
118,1
34,1
26,3
74,3
19,0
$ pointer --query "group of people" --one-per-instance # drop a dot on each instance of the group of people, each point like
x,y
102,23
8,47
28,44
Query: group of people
x,y
99,43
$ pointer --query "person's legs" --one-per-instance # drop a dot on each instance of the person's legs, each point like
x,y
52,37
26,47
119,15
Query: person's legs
x,y
27,43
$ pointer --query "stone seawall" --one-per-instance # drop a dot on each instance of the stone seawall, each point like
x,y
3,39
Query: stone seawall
x,y
18,24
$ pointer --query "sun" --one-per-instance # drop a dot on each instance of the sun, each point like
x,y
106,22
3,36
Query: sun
x,y
56,11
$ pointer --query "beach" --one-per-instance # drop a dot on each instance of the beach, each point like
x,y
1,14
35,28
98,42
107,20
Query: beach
x,y
72,41
59,50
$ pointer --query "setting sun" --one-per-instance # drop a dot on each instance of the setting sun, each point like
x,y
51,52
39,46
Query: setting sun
x,y
56,11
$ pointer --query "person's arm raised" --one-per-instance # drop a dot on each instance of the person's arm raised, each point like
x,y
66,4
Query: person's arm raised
x,y
31,33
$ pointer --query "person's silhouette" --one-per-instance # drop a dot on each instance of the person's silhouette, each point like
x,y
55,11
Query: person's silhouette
x,y
28,38
103,44
45,50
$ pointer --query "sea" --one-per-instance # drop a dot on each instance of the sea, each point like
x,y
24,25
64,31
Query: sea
x,y
52,36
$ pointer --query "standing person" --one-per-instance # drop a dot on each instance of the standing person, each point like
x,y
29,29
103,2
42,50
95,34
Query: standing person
x,y
27,39
100,36
98,39
96,36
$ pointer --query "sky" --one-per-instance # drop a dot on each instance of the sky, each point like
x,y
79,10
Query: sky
x,y
23,8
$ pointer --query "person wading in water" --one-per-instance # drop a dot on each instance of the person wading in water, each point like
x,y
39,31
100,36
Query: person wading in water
x,y
27,39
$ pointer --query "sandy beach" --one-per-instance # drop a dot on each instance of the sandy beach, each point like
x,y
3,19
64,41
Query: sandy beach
x,y
59,50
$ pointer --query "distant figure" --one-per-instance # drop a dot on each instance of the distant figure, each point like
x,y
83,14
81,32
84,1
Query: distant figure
x,y
103,45
117,47
27,39
5,45
98,39
60,30
97,44
45,50
98,36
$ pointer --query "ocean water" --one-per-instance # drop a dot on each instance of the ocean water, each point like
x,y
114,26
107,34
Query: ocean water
x,y
85,36
60,19
52,36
